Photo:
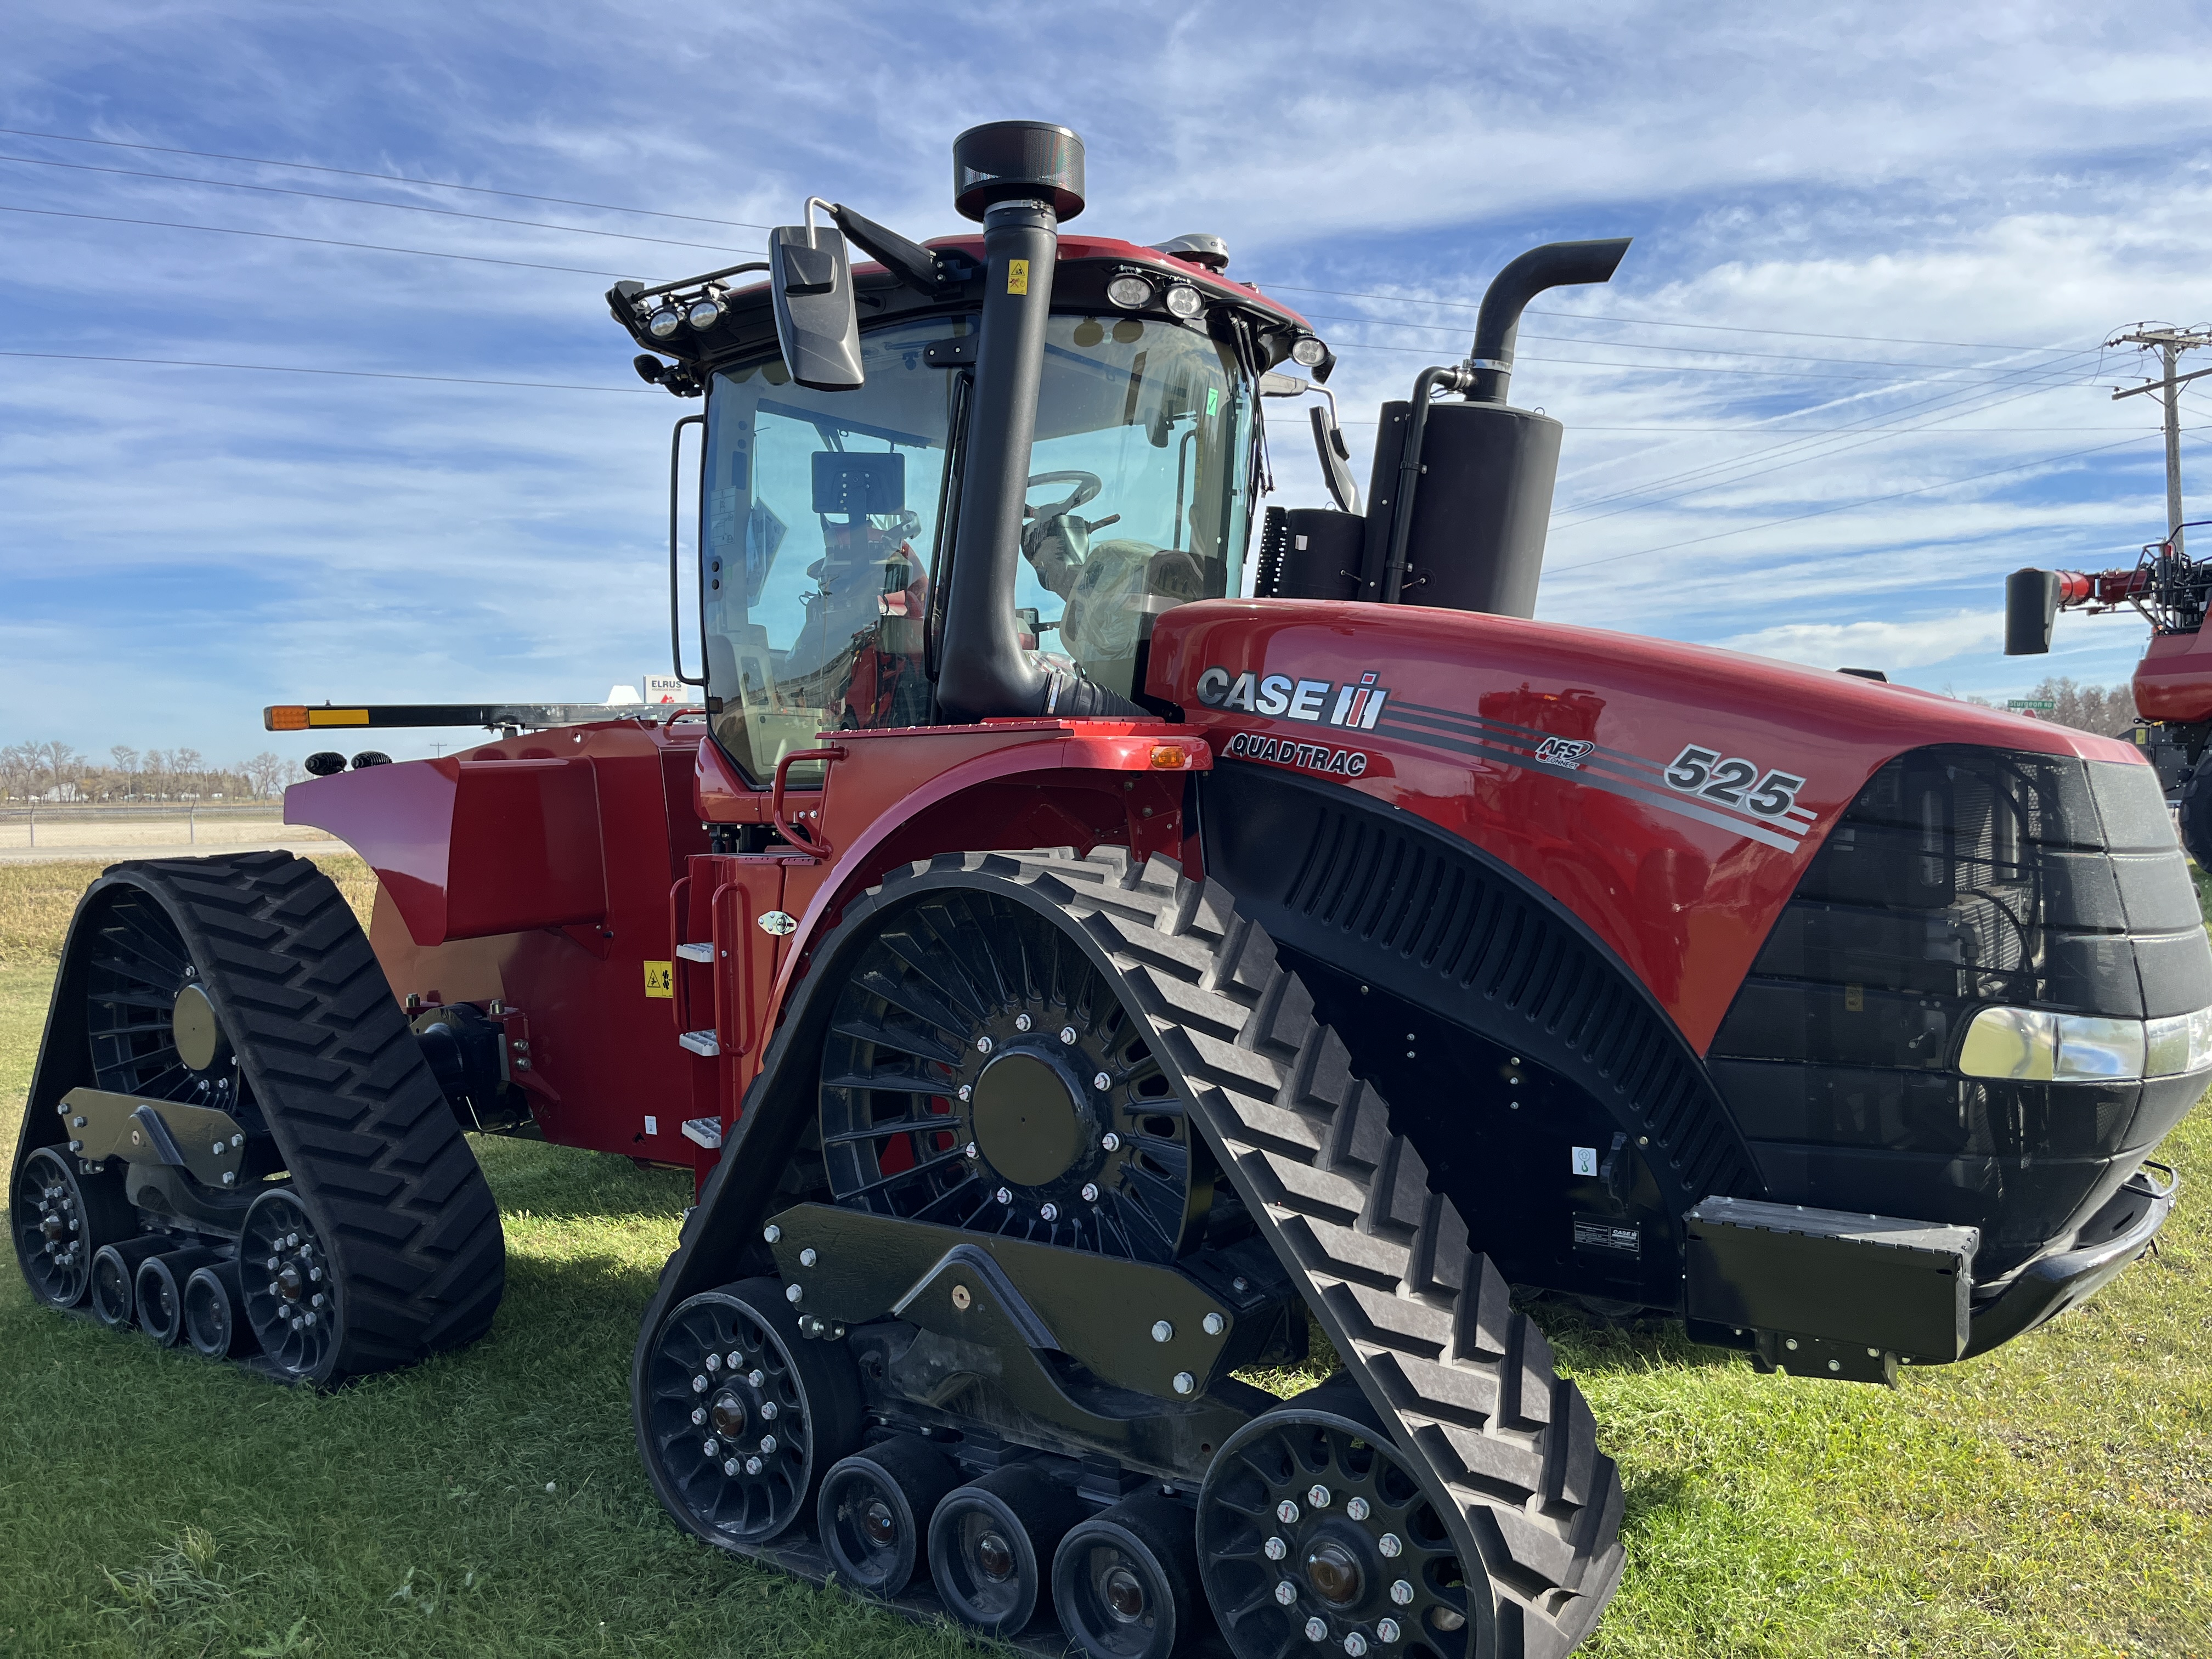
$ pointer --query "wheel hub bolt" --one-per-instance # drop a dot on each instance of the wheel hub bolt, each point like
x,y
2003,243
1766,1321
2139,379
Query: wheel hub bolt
x,y
698,1385
1185,1382
1110,1141
1402,1592
709,1446
971,1151
1355,1508
767,1408
756,1376
698,1416
1049,1211
1212,1324
1386,1630
1274,1549
1317,1630
752,1466
808,1257
983,1045
967,1091
1388,1544
1318,1497
735,1359
714,1362
1163,1331
1286,1592
1102,1081
1355,1645
1022,1021
768,1446
731,1466
1089,1192
1287,1512
1068,1034
275,1289
792,1293
1004,1195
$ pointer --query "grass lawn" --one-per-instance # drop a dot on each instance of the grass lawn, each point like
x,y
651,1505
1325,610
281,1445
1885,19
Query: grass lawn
x,y
2055,1498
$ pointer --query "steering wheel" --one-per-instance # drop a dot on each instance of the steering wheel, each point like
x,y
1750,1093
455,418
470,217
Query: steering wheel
x,y
1087,485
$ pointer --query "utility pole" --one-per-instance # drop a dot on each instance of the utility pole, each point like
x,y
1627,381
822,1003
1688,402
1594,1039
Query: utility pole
x,y
2169,343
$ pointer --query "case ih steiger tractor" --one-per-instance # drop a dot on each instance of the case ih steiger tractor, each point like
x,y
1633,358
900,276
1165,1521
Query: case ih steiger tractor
x,y
1391,956
2172,683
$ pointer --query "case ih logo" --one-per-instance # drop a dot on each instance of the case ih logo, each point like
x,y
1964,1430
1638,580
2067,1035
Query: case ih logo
x,y
1564,751
1324,702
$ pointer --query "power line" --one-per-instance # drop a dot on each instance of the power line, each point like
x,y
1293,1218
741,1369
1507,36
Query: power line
x,y
320,241
1927,369
1844,507
389,177
1638,346
369,201
354,373
1654,322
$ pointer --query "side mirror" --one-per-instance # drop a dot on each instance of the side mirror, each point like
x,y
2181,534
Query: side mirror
x,y
1335,455
811,288
2031,607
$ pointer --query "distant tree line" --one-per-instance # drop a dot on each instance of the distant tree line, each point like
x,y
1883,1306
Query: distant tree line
x,y
2106,710
53,771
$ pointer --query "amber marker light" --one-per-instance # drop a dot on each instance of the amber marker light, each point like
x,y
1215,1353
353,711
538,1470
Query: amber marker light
x,y
286,719
1167,757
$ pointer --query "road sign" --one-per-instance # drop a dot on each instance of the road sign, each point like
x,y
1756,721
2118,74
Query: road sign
x,y
666,687
2041,705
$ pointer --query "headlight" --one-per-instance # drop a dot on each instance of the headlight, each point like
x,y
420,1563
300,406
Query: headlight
x,y
703,313
2028,1045
664,322
1309,352
1183,300
1130,292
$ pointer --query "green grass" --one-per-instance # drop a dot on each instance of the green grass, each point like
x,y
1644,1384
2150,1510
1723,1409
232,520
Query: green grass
x,y
2054,1498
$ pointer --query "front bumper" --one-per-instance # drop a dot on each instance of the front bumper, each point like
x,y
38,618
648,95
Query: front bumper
x,y
2049,1285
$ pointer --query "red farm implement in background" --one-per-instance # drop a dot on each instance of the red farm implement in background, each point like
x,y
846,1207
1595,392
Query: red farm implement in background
x,y
1072,983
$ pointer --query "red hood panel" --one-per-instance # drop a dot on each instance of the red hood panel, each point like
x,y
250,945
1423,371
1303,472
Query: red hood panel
x,y
1670,795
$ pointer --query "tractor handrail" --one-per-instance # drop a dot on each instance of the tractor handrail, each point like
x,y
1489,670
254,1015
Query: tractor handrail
x,y
813,846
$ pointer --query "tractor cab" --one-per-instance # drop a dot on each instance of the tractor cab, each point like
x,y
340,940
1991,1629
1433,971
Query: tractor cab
x,y
827,517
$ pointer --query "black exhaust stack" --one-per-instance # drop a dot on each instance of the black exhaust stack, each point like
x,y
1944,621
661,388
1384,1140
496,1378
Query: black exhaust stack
x,y
1461,495
1021,178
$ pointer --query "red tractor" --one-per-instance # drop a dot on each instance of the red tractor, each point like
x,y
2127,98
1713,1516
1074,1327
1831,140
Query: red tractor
x,y
2172,683
1391,956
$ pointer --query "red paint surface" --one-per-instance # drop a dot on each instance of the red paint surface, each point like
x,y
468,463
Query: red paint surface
x,y
2173,681
1685,904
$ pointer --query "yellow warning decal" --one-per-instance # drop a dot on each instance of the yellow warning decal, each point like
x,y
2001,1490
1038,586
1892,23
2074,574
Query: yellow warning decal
x,y
1017,276
660,979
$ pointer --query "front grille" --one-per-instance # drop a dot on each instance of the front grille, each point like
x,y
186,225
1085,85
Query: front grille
x,y
1960,877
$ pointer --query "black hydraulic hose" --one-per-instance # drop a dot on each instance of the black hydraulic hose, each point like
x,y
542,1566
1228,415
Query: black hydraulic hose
x,y
984,670
1555,264
1409,472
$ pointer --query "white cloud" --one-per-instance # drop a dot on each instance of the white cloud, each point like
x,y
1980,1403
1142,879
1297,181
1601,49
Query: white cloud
x,y
1883,645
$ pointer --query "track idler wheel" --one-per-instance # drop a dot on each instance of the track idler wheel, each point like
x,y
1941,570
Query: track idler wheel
x,y
159,1291
1123,1581
62,1219
1311,1530
292,1300
991,1546
213,1322
875,1510
115,1279
745,1415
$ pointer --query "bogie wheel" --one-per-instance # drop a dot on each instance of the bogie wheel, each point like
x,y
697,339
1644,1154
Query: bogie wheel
x,y
744,1416
990,1546
1123,1580
292,1300
160,1290
1311,1530
2196,812
115,1279
875,1510
213,1324
62,1218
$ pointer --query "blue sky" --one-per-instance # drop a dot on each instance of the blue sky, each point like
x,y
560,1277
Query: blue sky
x,y
1902,233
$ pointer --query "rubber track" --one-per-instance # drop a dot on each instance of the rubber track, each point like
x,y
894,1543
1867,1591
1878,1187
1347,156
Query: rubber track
x,y
373,1150
1423,1323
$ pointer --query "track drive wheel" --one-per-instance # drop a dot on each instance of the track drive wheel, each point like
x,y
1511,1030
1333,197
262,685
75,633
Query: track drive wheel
x,y
1124,1581
745,1416
293,1303
63,1217
2196,812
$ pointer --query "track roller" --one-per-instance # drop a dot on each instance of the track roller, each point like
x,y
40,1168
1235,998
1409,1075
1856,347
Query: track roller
x,y
62,1218
745,1415
991,1545
159,1291
875,1510
213,1324
1124,1581
115,1279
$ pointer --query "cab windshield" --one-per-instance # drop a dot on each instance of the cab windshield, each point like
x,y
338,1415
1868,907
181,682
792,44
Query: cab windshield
x,y
824,514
